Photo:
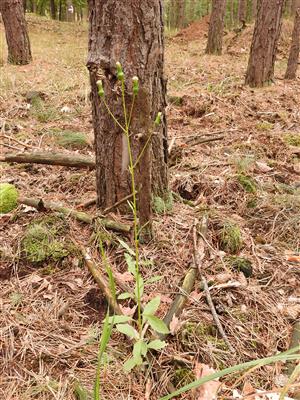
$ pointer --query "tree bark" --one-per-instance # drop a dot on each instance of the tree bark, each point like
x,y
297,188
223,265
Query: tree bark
x,y
242,11
264,43
53,9
216,27
292,65
130,32
17,38
180,13
254,9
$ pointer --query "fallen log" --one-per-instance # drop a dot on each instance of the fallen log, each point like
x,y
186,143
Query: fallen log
x,y
68,160
41,205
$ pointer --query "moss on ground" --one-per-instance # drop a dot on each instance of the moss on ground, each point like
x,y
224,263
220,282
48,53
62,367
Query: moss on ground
x,y
292,139
247,183
230,237
162,205
43,241
71,139
8,197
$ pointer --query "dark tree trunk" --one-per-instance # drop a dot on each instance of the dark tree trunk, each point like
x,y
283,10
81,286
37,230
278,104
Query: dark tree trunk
x,y
130,32
216,27
292,66
264,43
242,11
24,5
16,31
53,9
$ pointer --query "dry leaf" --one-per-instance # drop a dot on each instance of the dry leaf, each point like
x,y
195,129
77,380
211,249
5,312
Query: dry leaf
x,y
263,167
125,277
207,391
128,311
247,389
293,259
175,325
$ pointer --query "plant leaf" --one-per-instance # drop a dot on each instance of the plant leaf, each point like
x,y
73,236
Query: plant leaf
x,y
141,284
151,307
157,344
129,364
126,247
154,279
119,319
125,295
157,324
130,264
127,330
139,349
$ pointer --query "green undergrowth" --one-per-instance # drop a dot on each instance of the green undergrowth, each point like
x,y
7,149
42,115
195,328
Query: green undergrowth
x,y
230,237
8,198
43,240
247,182
240,264
160,205
72,139
292,139
42,112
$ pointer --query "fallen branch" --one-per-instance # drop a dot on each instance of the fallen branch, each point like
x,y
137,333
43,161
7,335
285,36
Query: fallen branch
x,y
199,253
108,209
203,139
101,281
41,205
68,160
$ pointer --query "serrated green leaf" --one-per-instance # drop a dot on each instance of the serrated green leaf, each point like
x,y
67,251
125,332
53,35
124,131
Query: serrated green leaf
x,y
126,247
153,279
130,264
146,263
129,364
119,319
156,344
157,324
151,307
125,295
127,330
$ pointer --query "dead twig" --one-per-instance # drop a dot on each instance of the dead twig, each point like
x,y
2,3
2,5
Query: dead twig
x,y
199,253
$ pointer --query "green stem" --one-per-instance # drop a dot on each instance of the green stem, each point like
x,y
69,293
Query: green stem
x,y
113,117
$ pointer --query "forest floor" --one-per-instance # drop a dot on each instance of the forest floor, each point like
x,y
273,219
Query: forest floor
x,y
247,182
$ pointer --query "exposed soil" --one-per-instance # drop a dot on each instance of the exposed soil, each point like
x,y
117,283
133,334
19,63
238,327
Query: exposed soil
x,y
51,313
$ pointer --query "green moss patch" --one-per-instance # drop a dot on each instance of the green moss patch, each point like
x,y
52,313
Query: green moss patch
x,y
240,264
8,197
43,241
160,205
231,238
292,139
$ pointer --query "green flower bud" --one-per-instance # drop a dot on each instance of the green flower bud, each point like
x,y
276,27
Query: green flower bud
x,y
120,73
135,83
100,88
158,118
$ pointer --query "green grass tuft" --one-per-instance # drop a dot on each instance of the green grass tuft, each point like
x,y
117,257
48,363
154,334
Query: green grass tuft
x,y
71,139
292,139
264,126
160,205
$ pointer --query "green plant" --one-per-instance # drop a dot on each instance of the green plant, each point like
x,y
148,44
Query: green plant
x,y
247,183
8,197
135,329
292,139
286,356
71,139
264,126
230,237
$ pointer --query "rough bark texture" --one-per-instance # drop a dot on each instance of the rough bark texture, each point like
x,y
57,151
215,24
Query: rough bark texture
x,y
216,27
242,11
264,43
130,32
17,38
292,66
180,11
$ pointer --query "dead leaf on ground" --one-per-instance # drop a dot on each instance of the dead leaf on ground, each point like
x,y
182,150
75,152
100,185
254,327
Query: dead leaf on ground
x,y
207,391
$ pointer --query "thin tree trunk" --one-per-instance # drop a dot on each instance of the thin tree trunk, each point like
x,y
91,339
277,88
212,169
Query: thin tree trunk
x,y
264,43
242,11
137,42
17,38
292,66
254,9
180,11
216,27
53,9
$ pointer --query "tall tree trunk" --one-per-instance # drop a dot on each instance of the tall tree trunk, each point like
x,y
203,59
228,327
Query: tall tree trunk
x,y
24,5
264,43
292,66
53,9
180,13
130,32
17,38
242,11
254,9
216,27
